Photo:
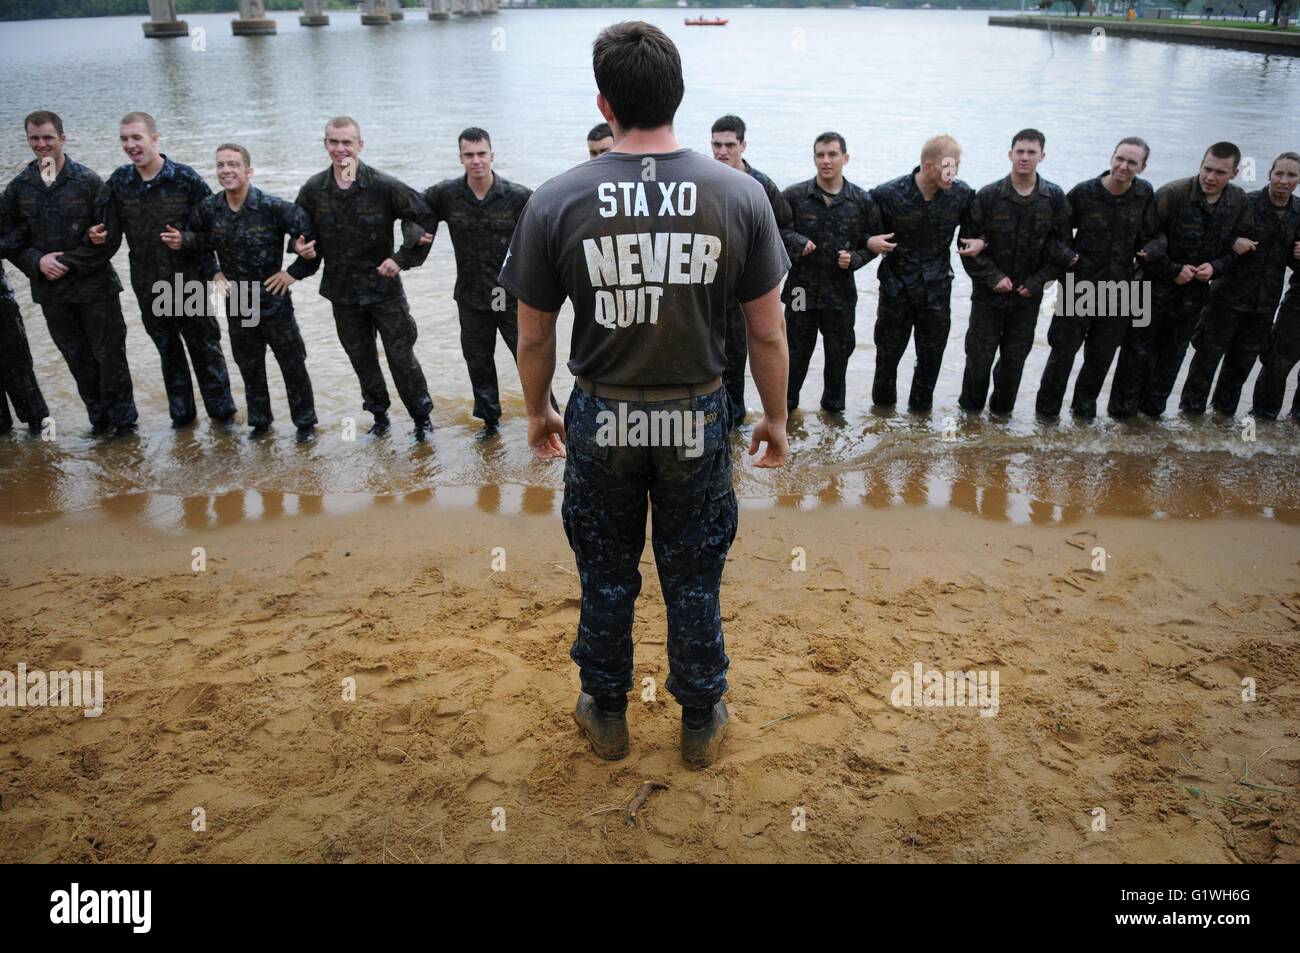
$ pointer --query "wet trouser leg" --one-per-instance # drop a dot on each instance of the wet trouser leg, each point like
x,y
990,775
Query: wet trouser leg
x,y
357,332
1137,353
1281,355
1065,335
1102,340
737,354
392,318
17,376
1239,360
478,343
1169,350
606,488
91,336
248,345
801,333
930,338
1218,328
838,342
200,335
1013,348
982,337
894,317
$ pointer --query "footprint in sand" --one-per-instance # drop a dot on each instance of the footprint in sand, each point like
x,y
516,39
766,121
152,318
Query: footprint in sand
x,y
1019,555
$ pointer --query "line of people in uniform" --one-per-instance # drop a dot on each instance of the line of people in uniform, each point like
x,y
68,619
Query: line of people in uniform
x,y
1215,258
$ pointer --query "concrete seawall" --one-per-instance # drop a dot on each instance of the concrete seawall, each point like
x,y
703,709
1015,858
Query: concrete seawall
x,y
1232,37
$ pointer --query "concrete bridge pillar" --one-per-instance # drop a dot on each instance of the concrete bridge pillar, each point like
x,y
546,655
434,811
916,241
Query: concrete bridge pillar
x,y
395,11
311,14
491,6
439,9
162,21
375,13
252,20
473,8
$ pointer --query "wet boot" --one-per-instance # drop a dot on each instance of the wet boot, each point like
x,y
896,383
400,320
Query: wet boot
x,y
606,731
702,739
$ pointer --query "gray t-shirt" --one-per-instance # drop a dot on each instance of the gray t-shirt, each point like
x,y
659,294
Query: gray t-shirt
x,y
650,248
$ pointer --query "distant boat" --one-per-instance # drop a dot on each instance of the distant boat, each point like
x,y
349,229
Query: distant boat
x,y
706,21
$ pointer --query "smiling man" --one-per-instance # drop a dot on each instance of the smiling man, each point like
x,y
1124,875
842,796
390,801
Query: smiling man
x,y
353,207
53,203
247,229
151,199
1106,215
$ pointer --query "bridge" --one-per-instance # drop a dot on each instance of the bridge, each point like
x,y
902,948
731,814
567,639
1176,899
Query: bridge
x,y
253,21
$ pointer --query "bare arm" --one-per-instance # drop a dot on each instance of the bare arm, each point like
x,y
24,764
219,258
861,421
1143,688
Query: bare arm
x,y
536,357
769,359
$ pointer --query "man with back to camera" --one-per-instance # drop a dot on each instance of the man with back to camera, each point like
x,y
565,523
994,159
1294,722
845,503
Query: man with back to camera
x,y
651,242
915,217
828,243
53,203
149,201
1190,228
599,140
1106,215
729,146
353,206
1026,222
1238,317
247,229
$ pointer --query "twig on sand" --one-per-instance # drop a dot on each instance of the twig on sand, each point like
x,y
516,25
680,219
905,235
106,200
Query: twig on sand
x,y
641,795
414,854
1189,761
792,714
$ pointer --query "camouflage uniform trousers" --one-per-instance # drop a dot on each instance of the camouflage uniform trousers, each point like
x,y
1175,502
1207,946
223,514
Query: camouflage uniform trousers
x,y
391,320
276,328
17,379
836,327
1281,355
1234,337
1006,333
91,336
201,336
897,319
478,342
1100,337
694,514
1152,356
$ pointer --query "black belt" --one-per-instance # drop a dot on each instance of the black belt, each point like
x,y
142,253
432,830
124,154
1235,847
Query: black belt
x,y
648,394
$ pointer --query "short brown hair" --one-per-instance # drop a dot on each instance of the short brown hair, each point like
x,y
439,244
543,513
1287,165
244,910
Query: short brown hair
x,y
639,72
338,122
236,147
43,117
940,147
145,118
1135,141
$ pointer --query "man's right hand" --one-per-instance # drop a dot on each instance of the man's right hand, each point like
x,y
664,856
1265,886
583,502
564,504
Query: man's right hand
x,y
1003,287
303,248
1186,275
98,234
1243,245
778,449
51,267
881,244
808,249
546,435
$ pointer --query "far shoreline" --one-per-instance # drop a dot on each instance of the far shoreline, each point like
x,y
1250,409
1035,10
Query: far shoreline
x,y
1237,38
